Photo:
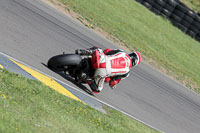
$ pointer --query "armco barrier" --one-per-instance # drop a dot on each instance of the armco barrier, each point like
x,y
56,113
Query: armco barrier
x,y
179,14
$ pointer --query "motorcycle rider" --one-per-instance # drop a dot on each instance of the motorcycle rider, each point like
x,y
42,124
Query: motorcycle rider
x,y
111,65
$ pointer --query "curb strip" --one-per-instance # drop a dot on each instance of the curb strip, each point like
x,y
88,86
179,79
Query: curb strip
x,y
48,81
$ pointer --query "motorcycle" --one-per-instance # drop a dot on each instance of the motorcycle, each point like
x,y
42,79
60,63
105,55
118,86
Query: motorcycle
x,y
76,65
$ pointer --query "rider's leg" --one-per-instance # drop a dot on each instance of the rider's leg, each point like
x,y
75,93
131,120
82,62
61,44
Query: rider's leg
x,y
94,87
100,75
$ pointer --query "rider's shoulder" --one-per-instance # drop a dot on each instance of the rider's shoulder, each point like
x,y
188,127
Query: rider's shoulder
x,y
113,51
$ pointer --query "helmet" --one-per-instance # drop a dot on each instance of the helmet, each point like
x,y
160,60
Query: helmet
x,y
135,58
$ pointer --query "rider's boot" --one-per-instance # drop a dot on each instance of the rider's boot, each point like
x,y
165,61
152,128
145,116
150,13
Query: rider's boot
x,y
83,77
93,86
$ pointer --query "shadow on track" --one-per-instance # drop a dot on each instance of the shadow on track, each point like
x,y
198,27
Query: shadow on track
x,y
69,78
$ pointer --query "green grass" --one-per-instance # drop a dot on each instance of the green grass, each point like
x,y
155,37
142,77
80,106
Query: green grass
x,y
141,30
30,106
193,4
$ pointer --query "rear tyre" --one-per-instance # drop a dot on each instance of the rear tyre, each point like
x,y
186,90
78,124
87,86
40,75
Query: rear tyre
x,y
61,62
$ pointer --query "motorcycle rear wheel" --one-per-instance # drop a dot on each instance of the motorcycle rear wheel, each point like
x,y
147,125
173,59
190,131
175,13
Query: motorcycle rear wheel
x,y
62,62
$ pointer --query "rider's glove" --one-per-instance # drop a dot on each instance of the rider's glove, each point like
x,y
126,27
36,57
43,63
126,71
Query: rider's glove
x,y
91,50
107,79
113,83
81,52
86,52
114,87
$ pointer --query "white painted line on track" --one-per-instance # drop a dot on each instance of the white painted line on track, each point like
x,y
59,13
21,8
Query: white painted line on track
x,y
84,93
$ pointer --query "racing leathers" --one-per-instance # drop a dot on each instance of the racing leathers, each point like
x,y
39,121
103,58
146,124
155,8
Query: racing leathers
x,y
110,66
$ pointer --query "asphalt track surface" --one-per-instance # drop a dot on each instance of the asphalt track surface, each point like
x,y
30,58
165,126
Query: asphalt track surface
x,y
32,32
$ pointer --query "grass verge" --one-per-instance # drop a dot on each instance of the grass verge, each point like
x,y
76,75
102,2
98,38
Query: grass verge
x,y
30,106
162,45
